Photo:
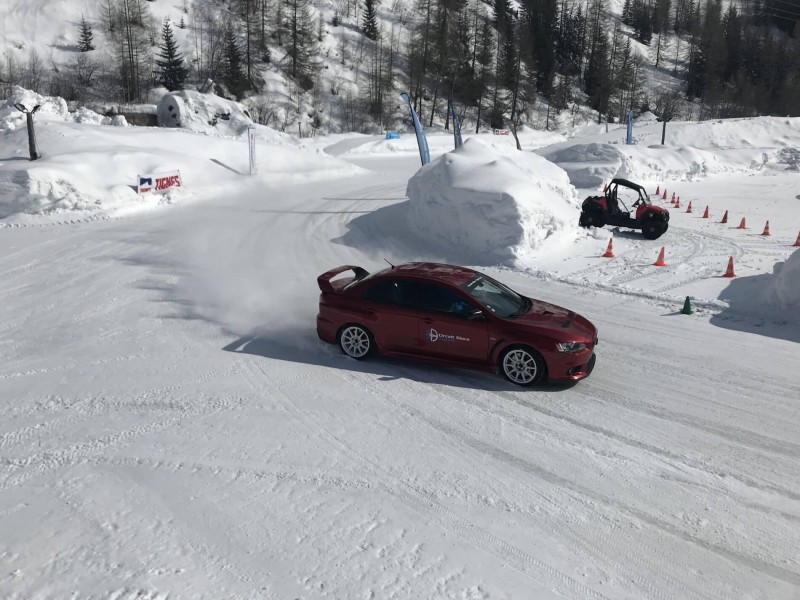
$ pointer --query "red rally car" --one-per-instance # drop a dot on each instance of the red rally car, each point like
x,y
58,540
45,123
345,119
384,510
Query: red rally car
x,y
456,316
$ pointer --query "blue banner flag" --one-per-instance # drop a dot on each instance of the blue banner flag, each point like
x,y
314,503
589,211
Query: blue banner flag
x,y
424,154
456,125
629,137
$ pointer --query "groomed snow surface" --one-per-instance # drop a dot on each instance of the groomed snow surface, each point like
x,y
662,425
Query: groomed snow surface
x,y
172,427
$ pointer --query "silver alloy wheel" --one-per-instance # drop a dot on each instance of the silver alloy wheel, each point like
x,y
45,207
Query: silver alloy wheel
x,y
355,341
520,366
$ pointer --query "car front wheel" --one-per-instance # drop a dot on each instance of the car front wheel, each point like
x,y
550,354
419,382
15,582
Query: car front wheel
x,y
522,366
356,341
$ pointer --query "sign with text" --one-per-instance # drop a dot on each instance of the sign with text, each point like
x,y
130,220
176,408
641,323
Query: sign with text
x,y
159,182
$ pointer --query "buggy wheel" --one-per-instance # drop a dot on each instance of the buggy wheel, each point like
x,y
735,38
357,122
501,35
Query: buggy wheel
x,y
592,218
522,365
652,229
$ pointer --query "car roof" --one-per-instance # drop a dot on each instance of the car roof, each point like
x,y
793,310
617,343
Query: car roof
x,y
452,274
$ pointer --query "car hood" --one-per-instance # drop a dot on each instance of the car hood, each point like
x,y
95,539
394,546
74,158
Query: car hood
x,y
563,324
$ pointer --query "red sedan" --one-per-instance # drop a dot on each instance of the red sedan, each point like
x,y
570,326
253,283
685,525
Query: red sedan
x,y
456,316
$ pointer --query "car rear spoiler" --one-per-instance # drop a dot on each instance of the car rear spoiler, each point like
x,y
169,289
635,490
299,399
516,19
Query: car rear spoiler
x,y
324,280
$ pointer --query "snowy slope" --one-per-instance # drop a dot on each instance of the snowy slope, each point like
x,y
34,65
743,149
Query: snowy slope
x,y
172,427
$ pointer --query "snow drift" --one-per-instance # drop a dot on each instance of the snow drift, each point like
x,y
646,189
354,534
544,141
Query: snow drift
x,y
784,288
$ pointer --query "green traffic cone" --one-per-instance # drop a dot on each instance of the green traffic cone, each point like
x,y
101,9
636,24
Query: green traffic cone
x,y
687,307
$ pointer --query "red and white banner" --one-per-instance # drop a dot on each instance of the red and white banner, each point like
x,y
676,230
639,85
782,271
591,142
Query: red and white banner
x,y
501,132
159,182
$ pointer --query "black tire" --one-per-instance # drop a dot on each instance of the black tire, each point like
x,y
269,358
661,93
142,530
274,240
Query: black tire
x,y
356,341
652,229
522,365
592,218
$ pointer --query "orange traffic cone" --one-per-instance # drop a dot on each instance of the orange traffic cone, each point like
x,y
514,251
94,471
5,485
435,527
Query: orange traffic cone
x,y
766,229
673,196
664,197
725,217
658,190
705,214
797,243
660,260
729,271
742,225
610,250
678,202
689,208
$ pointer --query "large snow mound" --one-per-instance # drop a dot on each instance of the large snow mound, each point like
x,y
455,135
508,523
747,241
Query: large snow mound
x,y
503,205
784,288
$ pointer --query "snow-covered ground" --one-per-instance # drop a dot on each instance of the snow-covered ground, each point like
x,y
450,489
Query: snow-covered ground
x,y
172,427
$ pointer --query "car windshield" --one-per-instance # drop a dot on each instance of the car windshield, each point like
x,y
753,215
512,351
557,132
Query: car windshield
x,y
498,298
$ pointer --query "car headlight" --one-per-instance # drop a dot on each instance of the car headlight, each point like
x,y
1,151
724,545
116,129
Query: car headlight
x,y
570,346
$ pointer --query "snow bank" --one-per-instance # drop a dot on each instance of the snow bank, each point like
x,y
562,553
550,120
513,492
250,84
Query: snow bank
x,y
501,205
588,165
90,169
204,113
440,141
691,151
50,108
784,288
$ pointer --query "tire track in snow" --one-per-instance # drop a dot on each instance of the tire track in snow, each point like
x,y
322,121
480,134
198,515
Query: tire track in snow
x,y
421,502
86,408
24,469
775,571
733,435
60,368
556,526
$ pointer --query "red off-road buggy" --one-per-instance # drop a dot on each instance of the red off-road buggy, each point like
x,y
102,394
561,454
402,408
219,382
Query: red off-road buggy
x,y
598,211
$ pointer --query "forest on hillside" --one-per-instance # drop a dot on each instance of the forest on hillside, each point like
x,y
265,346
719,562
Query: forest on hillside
x,y
495,59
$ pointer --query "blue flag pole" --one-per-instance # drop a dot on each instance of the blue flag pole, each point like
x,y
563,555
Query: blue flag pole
x,y
422,142
456,124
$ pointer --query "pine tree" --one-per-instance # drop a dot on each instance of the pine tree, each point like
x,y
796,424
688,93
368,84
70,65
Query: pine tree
x,y
172,72
301,45
541,24
233,75
370,26
597,77
85,41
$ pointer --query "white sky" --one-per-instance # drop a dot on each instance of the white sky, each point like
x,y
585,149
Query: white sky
x,y
172,427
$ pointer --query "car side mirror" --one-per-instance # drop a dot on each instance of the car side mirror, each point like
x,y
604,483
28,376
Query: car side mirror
x,y
475,315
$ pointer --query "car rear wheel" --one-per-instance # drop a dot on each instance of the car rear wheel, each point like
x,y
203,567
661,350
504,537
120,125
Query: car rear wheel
x,y
522,366
356,341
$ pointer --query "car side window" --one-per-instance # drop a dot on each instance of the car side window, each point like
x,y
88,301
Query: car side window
x,y
442,299
388,291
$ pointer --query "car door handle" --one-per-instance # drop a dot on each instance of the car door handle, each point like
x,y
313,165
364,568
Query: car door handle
x,y
427,320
